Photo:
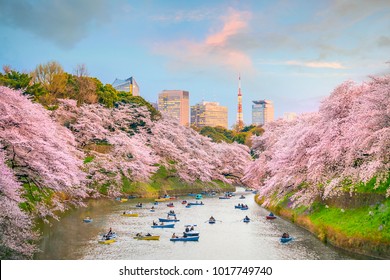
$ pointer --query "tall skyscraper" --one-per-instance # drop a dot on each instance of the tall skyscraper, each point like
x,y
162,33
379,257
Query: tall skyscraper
x,y
262,112
240,120
175,103
128,85
209,114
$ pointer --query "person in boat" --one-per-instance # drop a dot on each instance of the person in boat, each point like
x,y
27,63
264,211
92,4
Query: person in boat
x,y
184,234
154,223
271,214
174,235
109,232
247,218
138,234
148,234
152,207
187,229
201,203
285,235
192,228
212,218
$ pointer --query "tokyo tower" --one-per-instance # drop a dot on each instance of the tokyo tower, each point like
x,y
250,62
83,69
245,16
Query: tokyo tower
x,y
240,120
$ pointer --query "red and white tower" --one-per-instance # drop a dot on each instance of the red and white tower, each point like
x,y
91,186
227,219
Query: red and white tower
x,y
240,120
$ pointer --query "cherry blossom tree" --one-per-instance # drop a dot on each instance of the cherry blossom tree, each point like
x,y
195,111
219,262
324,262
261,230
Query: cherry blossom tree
x,y
15,225
41,152
312,157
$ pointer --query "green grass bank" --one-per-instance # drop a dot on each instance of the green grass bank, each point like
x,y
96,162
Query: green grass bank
x,y
164,181
358,223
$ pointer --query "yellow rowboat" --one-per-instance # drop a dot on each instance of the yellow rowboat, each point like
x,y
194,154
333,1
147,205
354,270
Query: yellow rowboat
x,y
123,199
161,199
130,215
153,237
108,241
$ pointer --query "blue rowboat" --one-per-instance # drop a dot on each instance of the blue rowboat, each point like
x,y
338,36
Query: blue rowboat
x,y
224,197
188,238
285,239
87,220
191,233
195,203
244,208
211,221
246,220
168,220
188,206
237,207
164,226
198,196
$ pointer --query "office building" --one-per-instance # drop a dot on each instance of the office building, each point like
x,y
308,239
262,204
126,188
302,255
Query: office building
x,y
128,85
289,116
175,103
209,114
262,112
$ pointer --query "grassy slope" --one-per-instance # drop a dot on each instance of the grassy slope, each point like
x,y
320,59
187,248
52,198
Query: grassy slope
x,y
163,181
364,230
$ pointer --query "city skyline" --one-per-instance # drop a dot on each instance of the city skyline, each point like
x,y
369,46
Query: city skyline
x,y
291,52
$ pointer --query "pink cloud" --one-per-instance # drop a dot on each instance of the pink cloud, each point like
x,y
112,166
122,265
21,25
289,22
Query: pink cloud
x,y
234,23
214,51
316,64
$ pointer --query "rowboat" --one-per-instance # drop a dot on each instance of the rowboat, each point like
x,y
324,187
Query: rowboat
x,y
106,241
189,238
285,239
151,237
270,217
244,208
224,197
130,214
87,220
139,205
198,196
184,202
190,231
152,210
170,205
168,220
164,226
246,220
188,206
242,197
195,203
211,221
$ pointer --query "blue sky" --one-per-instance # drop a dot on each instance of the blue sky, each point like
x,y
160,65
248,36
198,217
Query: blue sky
x,y
291,52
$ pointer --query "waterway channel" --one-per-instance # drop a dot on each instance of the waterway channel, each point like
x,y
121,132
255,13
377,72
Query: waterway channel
x,y
228,239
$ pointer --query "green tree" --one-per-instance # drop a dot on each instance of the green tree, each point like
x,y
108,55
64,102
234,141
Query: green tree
x,y
126,97
16,80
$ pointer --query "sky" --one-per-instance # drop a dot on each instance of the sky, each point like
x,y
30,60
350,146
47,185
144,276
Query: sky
x,y
291,52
